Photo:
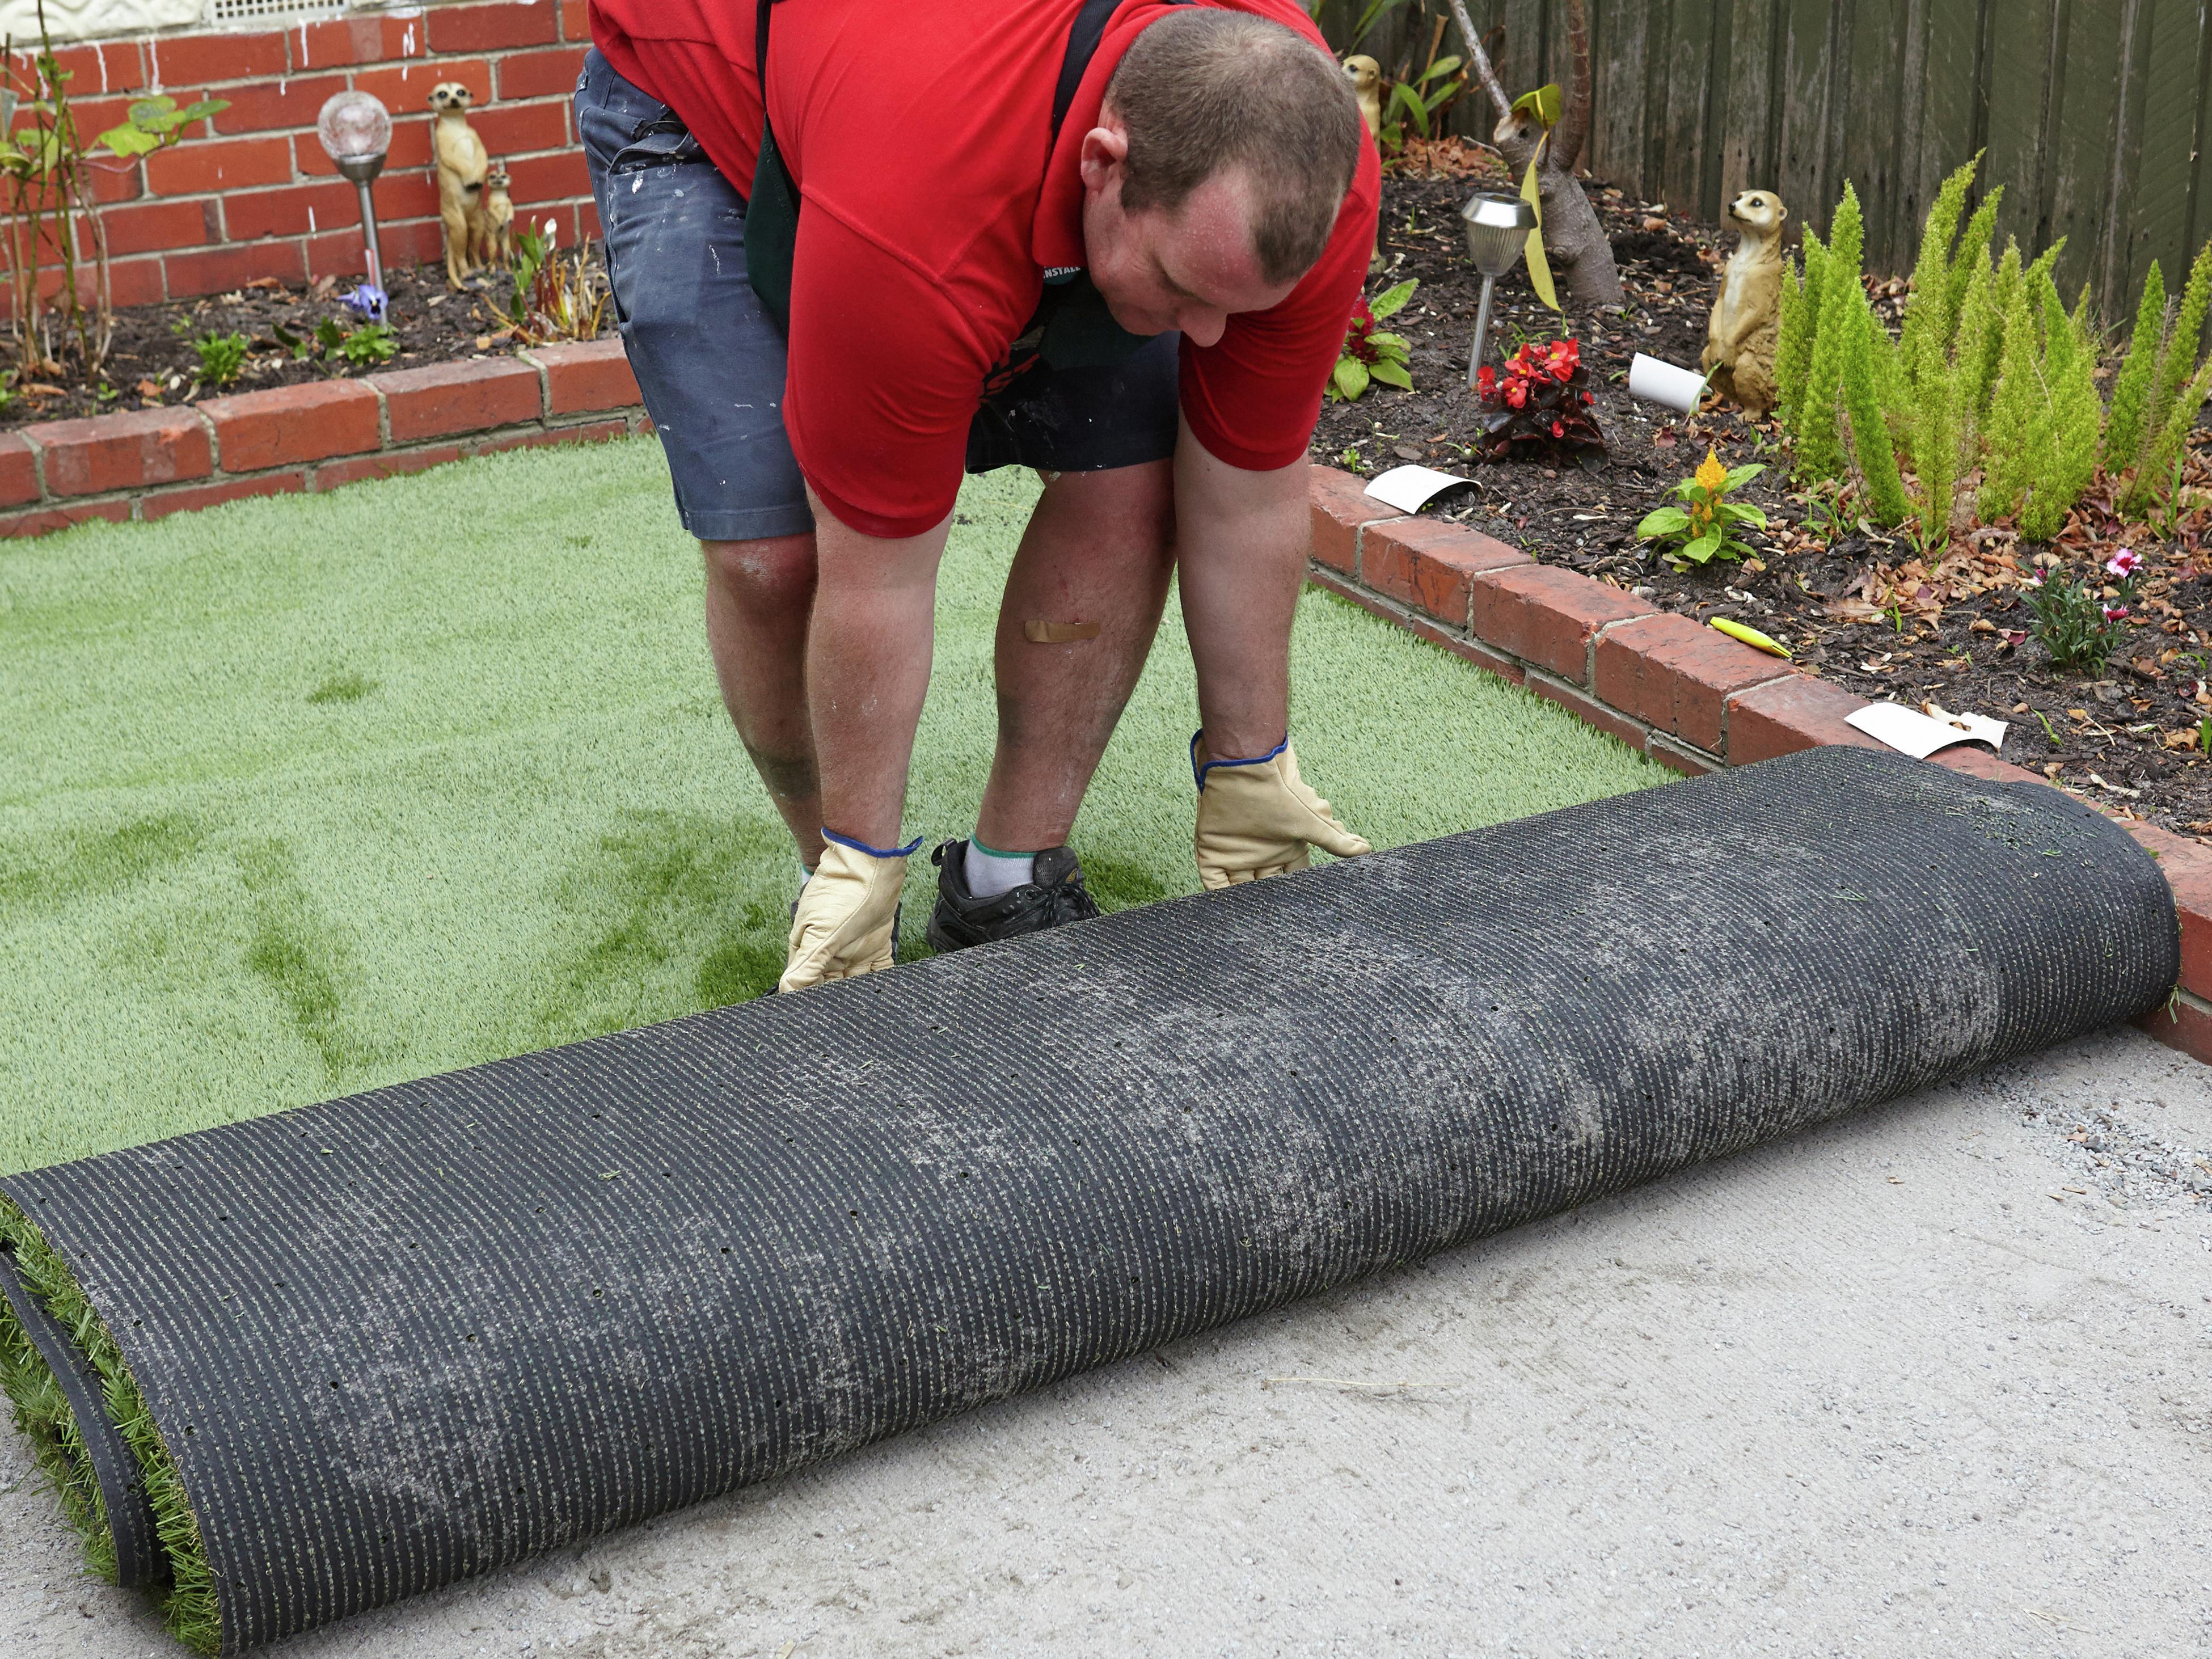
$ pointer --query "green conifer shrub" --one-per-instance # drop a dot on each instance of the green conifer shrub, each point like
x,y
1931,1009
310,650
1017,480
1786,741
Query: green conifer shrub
x,y
2077,420
2016,410
1819,443
1973,251
1799,321
2163,446
2162,434
1864,388
1931,314
2123,427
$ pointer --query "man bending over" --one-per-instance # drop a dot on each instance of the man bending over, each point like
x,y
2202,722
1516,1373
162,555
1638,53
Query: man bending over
x,y
1114,241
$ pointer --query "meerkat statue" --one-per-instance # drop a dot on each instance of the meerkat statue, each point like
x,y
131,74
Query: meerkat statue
x,y
493,228
1367,87
1740,340
462,164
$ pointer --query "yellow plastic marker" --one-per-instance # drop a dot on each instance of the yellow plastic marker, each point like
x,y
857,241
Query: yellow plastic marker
x,y
1750,636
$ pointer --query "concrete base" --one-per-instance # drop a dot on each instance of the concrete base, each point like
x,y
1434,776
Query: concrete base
x,y
1929,1382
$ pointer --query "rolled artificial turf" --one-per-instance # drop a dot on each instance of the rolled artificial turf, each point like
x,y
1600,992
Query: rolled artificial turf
x,y
305,796
407,1336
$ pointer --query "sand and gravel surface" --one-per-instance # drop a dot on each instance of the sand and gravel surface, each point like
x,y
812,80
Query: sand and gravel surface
x,y
1934,1380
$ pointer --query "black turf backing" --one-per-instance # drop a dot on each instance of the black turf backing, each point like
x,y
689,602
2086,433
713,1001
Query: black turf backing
x,y
406,1336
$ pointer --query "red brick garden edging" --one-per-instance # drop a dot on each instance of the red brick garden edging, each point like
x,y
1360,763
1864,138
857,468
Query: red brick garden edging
x,y
149,463
1680,691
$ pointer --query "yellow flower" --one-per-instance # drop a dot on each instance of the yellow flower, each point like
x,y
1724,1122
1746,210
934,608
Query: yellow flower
x,y
1711,474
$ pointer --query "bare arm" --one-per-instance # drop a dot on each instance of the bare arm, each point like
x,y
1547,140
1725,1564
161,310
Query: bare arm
x,y
867,669
1241,540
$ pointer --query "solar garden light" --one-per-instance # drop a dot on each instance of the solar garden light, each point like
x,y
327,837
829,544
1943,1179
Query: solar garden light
x,y
1498,228
355,131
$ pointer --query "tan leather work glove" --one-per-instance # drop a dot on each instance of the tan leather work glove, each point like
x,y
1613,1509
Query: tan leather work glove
x,y
847,920
1257,817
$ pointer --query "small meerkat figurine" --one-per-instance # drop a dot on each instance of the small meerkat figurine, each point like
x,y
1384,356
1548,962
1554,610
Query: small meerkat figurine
x,y
1740,340
1367,87
494,223
462,164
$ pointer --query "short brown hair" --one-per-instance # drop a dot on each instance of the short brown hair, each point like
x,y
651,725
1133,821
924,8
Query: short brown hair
x,y
1203,90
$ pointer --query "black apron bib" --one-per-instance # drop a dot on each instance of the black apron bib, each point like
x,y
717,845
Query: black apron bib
x,y
1070,327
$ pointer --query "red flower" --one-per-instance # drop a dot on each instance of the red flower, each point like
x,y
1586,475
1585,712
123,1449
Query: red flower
x,y
1516,395
1559,428
1355,334
1486,382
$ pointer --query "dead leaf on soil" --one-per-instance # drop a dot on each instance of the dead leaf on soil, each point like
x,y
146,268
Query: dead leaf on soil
x,y
2184,737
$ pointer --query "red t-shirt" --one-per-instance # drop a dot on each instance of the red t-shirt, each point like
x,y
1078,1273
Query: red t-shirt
x,y
935,202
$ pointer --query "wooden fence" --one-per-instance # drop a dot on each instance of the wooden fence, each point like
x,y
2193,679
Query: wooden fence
x,y
2094,113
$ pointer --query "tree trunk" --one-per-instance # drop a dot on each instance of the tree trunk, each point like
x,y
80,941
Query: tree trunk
x,y
1581,258
1574,240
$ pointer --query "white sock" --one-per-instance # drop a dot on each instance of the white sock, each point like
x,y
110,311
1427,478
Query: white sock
x,y
991,873
805,874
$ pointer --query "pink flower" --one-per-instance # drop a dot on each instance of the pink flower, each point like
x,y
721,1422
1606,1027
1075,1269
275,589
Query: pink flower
x,y
2114,612
2123,563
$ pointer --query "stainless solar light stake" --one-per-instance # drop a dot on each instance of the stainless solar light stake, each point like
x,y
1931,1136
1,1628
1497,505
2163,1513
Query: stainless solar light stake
x,y
1498,228
355,132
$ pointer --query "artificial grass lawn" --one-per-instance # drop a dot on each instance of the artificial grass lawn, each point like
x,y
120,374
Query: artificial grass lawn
x,y
305,795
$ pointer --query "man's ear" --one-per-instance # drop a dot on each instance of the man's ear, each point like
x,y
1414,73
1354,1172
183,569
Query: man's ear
x,y
1105,147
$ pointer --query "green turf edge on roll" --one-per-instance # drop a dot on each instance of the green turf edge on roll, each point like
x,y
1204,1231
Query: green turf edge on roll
x,y
188,1607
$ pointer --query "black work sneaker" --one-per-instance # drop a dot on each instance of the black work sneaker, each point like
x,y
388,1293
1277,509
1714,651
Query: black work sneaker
x,y
1055,895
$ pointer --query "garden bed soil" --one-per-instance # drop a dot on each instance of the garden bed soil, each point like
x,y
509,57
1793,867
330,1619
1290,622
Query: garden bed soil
x,y
153,364
1857,607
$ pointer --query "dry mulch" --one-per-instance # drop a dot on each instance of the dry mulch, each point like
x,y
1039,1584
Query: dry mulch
x,y
153,364
1857,606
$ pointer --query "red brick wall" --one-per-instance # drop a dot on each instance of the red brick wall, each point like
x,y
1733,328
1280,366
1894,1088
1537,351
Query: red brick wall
x,y
250,193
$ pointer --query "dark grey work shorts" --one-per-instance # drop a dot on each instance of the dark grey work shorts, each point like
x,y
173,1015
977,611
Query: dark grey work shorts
x,y
710,363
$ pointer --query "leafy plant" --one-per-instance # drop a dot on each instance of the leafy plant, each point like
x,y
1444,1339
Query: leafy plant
x,y
1704,528
1370,354
369,345
223,357
556,296
1539,406
2073,623
333,342
53,210
1420,105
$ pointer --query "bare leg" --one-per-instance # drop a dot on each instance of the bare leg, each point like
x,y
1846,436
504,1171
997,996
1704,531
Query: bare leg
x,y
1100,547
759,597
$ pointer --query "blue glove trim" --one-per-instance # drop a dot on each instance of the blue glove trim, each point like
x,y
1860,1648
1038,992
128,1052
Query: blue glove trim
x,y
1198,773
907,851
